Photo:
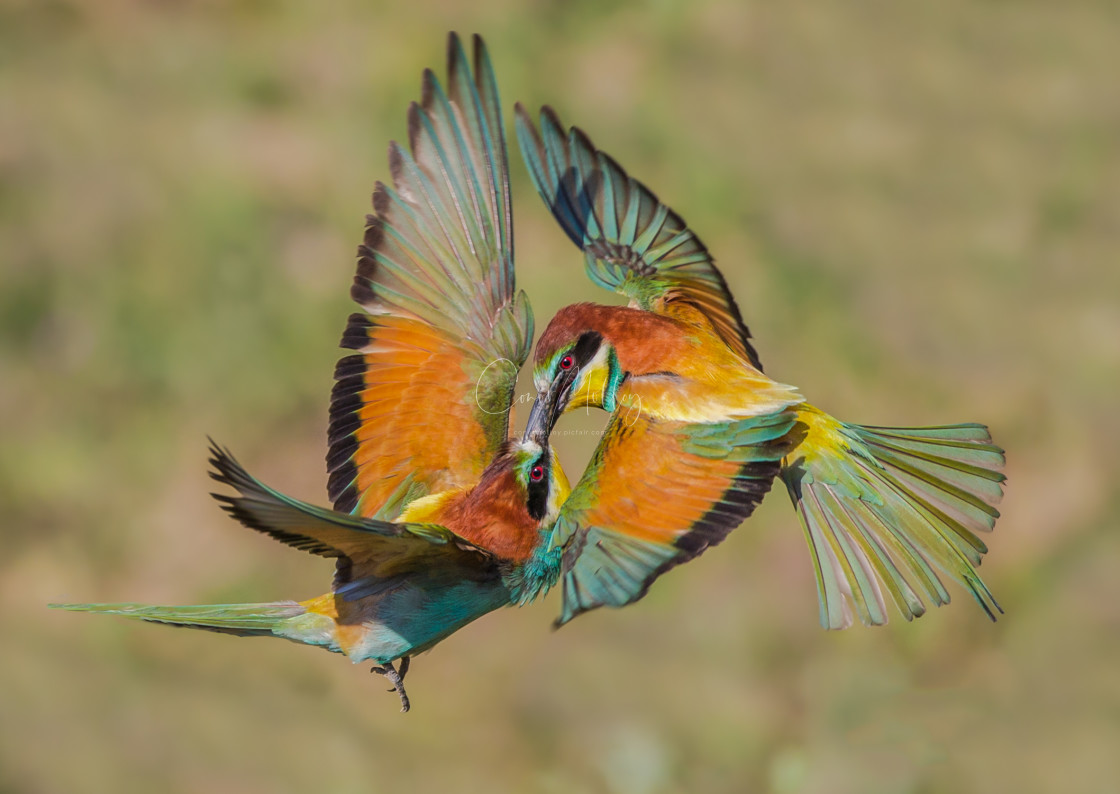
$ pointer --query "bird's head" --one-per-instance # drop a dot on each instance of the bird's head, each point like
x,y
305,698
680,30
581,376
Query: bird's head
x,y
572,368
526,475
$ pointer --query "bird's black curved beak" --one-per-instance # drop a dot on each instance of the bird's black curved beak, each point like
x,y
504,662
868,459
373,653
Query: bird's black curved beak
x,y
543,415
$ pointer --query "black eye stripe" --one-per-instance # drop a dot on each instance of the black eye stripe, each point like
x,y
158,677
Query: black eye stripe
x,y
586,346
538,488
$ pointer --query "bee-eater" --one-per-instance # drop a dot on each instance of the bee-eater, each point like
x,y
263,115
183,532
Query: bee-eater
x,y
438,518
882,508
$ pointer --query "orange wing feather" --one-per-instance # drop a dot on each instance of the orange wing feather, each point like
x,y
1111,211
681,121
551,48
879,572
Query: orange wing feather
x,y
415,373
657,494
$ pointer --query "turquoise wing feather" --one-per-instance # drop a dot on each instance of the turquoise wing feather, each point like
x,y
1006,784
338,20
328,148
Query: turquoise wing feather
x,y
633,243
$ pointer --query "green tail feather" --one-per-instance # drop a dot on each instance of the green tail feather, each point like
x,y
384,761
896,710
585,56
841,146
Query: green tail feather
x,y
890,509
245,620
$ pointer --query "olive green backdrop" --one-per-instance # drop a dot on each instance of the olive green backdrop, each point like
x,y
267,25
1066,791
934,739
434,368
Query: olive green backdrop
x,y
917,206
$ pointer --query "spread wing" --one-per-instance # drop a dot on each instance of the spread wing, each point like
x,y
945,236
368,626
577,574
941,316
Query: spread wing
x,y
633,243
424,403
655,495
371,554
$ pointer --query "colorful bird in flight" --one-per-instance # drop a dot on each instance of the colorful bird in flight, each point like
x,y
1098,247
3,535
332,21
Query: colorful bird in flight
x,y
439,517
883,509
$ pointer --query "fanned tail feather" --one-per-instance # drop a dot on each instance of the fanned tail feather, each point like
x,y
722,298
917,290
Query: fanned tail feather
x,y
245,620
888,508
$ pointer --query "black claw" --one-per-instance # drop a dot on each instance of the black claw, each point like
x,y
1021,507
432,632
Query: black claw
x,y
396,679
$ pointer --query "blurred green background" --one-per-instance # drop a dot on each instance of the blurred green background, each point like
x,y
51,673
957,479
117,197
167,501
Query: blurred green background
x,y
917,208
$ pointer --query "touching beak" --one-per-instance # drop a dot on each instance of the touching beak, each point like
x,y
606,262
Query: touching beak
x,y
543,415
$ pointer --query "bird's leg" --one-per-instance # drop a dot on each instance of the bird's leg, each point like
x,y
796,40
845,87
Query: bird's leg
x,y
396,679
402,670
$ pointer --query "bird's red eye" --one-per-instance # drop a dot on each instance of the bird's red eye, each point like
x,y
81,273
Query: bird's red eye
x,y
536,474
566,362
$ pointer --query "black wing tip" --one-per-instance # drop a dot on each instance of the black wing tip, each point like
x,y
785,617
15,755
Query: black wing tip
x,y
356,334
343,426
613,164
549,112
342,491
581,138
416,109
345,400
381,199
374,234
343,423
361,293
215,449
252,492
454,50
350,366
224,466
396,162
339,455
737,503
482,67
562,621
457,53
229,472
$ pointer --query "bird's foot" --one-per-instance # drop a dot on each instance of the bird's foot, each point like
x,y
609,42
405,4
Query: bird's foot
x,y
402,670
396,678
